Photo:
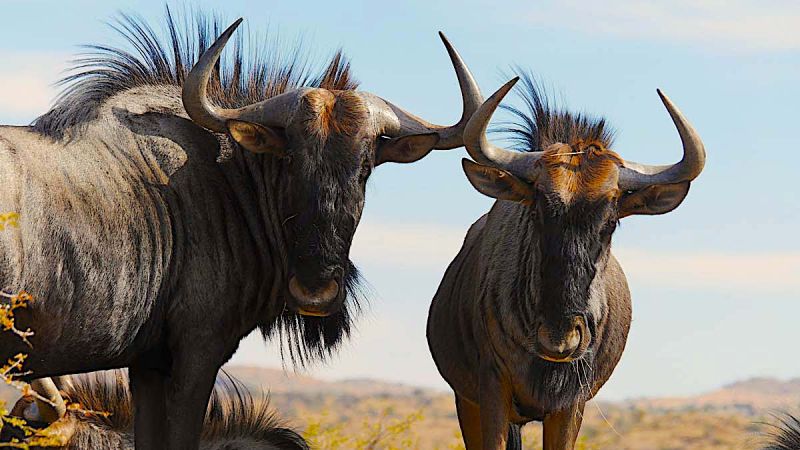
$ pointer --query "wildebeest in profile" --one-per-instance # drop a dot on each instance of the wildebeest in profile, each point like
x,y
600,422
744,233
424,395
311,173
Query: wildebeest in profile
x,y
533,314
234,420
141,249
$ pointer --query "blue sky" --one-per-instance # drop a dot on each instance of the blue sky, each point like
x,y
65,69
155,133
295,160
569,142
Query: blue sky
x,y
716,284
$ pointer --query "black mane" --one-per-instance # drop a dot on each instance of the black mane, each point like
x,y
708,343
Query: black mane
x,y
539,124
785,434
232,413
252,74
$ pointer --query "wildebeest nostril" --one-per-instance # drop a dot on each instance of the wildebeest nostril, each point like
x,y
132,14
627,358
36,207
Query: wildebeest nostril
x,y
559,344
315,302
560,347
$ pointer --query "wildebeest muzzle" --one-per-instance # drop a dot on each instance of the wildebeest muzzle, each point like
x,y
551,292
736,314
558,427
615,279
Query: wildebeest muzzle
x,y
563,343
319,300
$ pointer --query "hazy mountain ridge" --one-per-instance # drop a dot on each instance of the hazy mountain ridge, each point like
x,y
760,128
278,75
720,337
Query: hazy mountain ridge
x,y
276,381
756,394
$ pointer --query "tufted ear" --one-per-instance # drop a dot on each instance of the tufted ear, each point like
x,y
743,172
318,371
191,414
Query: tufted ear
x,y
406,149
258,138
497,183
656,199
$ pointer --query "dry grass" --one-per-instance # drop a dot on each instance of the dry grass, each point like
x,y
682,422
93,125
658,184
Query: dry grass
x,y
429,422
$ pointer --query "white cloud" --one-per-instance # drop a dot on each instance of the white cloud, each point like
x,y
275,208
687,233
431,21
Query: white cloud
x,y
428,246
728,24
714,270
26,82
413,244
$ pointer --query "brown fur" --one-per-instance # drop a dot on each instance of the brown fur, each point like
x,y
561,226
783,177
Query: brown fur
x,y
590,175
337,112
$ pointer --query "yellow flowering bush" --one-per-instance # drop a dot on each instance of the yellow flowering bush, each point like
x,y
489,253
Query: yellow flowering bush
x,y
12,369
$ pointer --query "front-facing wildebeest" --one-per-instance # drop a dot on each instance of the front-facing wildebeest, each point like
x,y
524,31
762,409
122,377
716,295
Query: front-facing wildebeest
x,y
234,420
532,315
142,250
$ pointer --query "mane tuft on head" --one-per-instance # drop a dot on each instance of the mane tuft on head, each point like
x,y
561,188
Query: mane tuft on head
x,y
785,434
539,123
249,74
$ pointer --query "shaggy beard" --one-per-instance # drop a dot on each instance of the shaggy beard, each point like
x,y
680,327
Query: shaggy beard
x,y
559,385
307,339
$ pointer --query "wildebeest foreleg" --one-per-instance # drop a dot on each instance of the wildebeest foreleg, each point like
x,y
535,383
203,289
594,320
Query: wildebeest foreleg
x,y
188,390
469,419
495,405
561,428
150,413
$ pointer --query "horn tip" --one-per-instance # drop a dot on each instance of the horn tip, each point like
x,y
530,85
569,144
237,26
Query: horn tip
x,y
233,27
446,42
666,101
507,87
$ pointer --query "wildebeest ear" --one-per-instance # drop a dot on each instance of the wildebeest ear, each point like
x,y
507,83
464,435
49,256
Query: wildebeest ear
x,y
406,149
258,138
656,199
497,183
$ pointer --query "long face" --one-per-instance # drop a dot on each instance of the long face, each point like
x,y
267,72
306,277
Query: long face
x,y
329,149
329,155
574,205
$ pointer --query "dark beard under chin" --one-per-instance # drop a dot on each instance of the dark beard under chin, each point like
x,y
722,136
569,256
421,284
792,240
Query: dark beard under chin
x,y
558,385
306,339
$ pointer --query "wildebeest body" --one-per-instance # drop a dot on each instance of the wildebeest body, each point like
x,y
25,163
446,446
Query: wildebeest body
x,y
532,315
143,249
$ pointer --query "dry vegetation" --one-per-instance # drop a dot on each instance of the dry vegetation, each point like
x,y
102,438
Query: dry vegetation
x,y
10,371
12,368
375,415
429,422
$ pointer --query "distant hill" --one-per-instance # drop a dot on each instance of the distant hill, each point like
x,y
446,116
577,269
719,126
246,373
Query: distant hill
x,y
277,382
752,395
755,393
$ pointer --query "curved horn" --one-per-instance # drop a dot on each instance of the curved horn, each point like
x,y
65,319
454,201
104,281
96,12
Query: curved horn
x,y
396,122
273,111
53,407
635,176
482,151
195,87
